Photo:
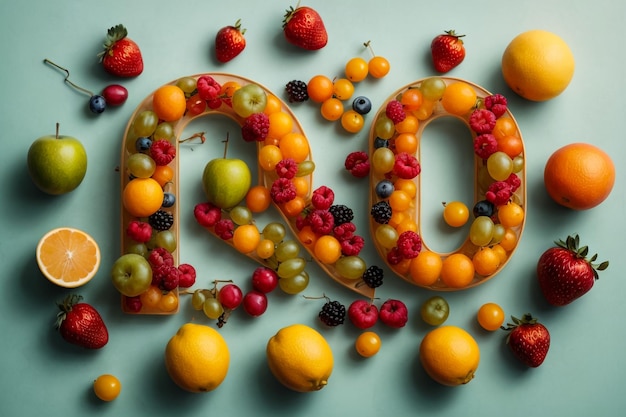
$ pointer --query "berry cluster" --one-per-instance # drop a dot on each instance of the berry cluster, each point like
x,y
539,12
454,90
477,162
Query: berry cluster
x,y
364,314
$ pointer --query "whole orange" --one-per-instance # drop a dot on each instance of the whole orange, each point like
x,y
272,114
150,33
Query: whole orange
x,y
579,176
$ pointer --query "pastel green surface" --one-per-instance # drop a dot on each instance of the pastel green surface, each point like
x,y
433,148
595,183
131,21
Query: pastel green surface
x,y
42,374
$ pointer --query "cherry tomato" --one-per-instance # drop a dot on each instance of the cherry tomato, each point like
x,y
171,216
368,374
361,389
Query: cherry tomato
x,y
107,387
490,316
435,310
367,344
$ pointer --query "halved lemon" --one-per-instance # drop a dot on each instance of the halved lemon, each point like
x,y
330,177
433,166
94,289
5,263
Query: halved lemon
x,y
68,257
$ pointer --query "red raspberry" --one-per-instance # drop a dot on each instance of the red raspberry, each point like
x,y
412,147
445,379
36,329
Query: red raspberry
x,y
406,166
255,127
322,198
133,304
395,111
162,151
352,246
208,88
394,257
302,221
409,244
344,231
225,229
514,182
159,273
282,190
207,214
159,257
482,121
358,164
139,231
287,168
485,145
497,104
499,193
170,279
321,221
187,276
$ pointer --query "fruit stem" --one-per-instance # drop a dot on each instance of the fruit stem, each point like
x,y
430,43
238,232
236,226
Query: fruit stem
x,y
368,45
192,137
57,131
81,89
226,144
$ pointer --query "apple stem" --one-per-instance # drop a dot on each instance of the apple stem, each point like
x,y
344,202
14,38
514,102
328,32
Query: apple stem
x,y
81,89
57,131
226,144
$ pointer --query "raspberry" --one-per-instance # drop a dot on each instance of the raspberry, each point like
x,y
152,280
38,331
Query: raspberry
x,y
381,212
352,246
255,127
207,214
358,164
225,229
322,198
133,304
139,231
287,168
282,191
395,111
499,193
344,231
409,244
497,104
333,313
159,273
406,166
482,121
394,257
514,182
161,220
342,214
302,221
159,257
373,276
485,145
170,279
321,221
208,88
297,92
187,276
162,151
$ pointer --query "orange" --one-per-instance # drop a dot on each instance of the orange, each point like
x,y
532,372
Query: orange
x,y
294,145
142,197
449,355
425,268
458,98
538,65
579,176
327,249
246,238
457,270
169,103
68,257
320,88
486,261
300,358
281,123
163,174
258,199
197,358
273,104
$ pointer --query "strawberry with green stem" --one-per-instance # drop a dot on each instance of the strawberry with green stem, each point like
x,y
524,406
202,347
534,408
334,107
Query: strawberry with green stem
x,y
121,55
80,324
447,51
229,42
528,339
304,28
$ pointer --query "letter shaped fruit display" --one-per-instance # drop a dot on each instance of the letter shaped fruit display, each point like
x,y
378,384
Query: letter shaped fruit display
x,y
499,184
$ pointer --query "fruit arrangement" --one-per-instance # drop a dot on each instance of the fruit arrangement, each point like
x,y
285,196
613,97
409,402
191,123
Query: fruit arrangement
x,y
499,190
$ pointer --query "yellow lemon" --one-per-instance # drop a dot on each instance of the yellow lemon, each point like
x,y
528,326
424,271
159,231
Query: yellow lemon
x,y
538,65
197,358
300,358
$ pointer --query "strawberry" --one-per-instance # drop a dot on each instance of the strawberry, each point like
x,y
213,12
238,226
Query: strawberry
x,y
447,51
303,27
528,339
565,273
121,55
229,42
80,324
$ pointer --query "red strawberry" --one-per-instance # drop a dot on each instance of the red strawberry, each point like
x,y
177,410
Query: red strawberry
x,y
447,51
229,42
528,339
80,324
121,55
303,27
565,273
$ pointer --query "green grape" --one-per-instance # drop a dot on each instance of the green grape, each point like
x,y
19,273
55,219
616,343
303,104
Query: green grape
x,y
166,239
137,248
187,84
350,267
499,165
145,123
386,236
164,130
291,267
241,215
384,127
286,250
432,88
383,160
518,164
212,308
295,284
131,140
274,231
140,165
305,168
197,299
498,234
481,231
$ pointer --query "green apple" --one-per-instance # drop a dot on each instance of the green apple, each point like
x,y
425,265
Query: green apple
x,y
131,274
249,99
226,181
57,164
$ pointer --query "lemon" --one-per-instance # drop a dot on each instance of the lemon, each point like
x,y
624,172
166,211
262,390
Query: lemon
x,y
538,65
197,358
300,358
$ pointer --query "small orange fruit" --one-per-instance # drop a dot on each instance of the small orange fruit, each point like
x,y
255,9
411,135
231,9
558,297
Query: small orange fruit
x,y
457,270
169,103
579,176
246,238
142,197
107,387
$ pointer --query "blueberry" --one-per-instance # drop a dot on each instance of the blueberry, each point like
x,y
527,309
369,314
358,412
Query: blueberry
x,y
362,105
97,104
168,199
381,143
484,208
384,188
142,144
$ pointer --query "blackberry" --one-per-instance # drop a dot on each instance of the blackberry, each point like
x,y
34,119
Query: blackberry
x,y
161,220
333,313
342,214
296,90
381,212
373,276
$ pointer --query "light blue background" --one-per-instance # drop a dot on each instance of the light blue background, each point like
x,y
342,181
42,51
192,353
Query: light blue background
x,y
41,374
